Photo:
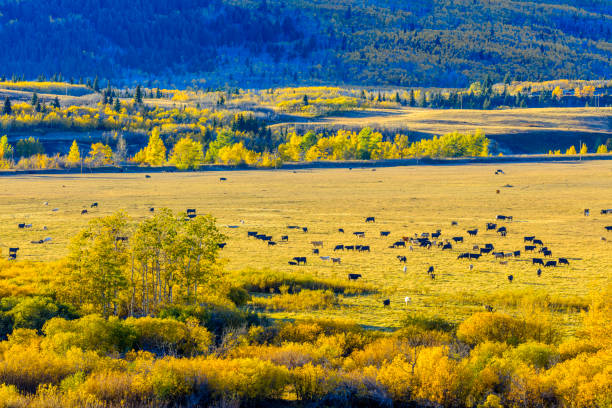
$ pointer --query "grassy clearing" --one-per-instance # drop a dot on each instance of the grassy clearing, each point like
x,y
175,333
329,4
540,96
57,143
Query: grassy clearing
x,y
546,200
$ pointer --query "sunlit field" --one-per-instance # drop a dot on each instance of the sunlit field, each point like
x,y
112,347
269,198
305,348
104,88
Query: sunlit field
x,y
545,200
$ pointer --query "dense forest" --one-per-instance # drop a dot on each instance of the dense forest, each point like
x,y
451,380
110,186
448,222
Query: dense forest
x,y
271,42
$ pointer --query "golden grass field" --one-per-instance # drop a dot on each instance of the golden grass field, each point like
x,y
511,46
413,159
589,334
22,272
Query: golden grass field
x,y
492,122
545,200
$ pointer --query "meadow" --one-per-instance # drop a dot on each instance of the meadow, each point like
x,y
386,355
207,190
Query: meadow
x,y
546,200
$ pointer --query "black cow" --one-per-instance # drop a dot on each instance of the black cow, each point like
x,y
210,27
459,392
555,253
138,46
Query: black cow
x,y
529,239
285,238
608,228
151,209
530,248
432,276
491,226
13,250
293,263
510,278
341,230
454,223
398,244
473,232
364,248
94,205
384,233
386,302
501,217
486,250
293,227
563,261
83,212
436,234
191,211
315,251
537,242
464,256
547,253
430,269
300,259
354,276
305,229
222,179
370,219
458,239
501,230
21,226
517,254
539,272
271,243
537,261
251,233
474,256
147,176
349,247
490,246
608,211
550,264
222,245
447,246
402,258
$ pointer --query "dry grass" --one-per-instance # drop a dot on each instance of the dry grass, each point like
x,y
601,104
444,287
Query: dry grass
x,y
546,200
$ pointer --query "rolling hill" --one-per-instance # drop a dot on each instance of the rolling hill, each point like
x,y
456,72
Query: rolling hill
x,y
266,43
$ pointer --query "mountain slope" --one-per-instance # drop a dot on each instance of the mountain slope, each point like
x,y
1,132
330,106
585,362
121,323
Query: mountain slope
x,y
267,43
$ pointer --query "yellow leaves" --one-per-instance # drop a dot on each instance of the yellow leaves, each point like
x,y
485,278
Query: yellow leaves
x,y
74,155
602,149
154,154
557,93
237,154
571,150
187,154
100,155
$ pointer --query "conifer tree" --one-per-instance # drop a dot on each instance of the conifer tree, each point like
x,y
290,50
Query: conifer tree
x,y
34,99
7,109
138,95
117,106
74,155
56,103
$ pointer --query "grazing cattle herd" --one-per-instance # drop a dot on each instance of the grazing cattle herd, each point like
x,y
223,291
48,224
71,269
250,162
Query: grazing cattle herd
x,y
470,244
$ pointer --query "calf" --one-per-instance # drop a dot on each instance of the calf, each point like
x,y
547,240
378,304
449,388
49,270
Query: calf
x,y
94,205
491,226
370,219
510,278
305,229
354,276
539,272
501,230
83,212
453,223
384,233
386,302
341,230
315,251
151,209
285,238
402,258
550,264
293,263
336,261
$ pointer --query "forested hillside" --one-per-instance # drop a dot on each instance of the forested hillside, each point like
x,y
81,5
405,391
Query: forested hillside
x,y
266,43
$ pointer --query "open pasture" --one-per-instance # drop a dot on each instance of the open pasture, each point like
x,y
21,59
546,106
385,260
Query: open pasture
x,y
546,200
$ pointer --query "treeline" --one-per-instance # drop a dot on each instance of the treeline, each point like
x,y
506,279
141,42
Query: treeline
x,y
270,43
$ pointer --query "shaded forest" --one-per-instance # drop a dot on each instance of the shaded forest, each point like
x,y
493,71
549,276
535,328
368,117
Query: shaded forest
x,y
266,43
